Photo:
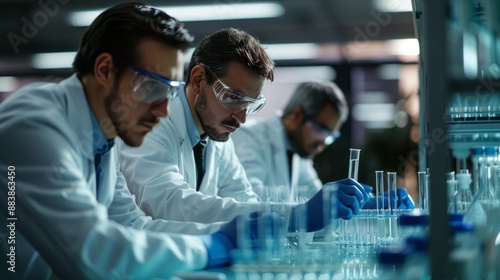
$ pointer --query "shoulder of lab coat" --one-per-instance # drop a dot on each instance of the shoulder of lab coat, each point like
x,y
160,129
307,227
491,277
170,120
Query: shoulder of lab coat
x,y
49,144
261,149
161,174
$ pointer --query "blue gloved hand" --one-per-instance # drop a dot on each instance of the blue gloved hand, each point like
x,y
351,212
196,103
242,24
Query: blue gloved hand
x,y
220,244
368,188
402,200
350,197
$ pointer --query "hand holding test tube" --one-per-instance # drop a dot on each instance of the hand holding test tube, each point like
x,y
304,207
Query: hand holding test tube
x,y
399,199
394,198
351,196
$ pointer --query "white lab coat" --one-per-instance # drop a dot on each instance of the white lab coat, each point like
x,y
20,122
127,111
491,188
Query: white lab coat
x,y
162,175
47,136
261,148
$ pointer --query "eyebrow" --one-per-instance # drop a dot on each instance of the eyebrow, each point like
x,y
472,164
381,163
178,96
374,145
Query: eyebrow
x,y
151,74
209,70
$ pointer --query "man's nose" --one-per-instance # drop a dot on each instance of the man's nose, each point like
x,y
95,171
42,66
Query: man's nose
x,y
240,116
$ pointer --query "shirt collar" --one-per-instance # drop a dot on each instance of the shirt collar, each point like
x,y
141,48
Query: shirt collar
x,y
192,130
100,143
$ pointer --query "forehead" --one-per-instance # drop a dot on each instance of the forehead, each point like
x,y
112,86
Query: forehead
x,y
161,58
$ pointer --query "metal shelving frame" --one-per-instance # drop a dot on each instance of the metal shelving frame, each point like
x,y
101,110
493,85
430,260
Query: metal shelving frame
x,y
431,24
436,88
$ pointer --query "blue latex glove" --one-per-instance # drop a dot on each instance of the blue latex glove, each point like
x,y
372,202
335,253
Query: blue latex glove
x,y
220,244
351,196
368,189
402,200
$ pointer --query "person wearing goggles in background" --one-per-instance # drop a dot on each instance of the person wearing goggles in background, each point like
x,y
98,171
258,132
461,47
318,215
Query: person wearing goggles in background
x,y
278,151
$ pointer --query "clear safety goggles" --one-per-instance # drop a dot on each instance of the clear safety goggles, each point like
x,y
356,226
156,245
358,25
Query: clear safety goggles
x,y
322,131
151,87
234,100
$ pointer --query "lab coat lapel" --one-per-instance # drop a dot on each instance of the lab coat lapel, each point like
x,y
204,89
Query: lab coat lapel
x,y
109,165
79,118
280,156
186,157
295,174
212,158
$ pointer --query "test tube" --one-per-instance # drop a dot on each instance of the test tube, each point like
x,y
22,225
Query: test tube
x,y
391,186
391,191
422,186
379,188
426,190
353,163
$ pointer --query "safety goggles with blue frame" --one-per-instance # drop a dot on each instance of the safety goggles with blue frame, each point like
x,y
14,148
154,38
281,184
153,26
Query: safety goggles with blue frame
x,y
327,134
151,87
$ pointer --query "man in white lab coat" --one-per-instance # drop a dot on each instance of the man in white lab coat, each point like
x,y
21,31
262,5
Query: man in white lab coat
x,y
224,83
277,152
66,205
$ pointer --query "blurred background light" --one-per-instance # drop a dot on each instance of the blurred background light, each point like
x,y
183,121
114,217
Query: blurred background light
x,y
53,60
220,11
392,6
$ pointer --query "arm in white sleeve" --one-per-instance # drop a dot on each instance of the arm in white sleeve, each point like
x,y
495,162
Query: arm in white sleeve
x,y
153,173
125,211
59,215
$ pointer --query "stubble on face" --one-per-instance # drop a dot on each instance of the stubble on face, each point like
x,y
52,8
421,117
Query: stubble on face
x,y
299,143
120,111
209,121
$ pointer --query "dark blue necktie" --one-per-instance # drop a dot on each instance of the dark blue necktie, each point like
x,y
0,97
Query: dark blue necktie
x,y
199,151
97,162
290,160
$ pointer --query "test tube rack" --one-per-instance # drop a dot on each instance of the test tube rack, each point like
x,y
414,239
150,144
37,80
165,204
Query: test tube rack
x,y
368,231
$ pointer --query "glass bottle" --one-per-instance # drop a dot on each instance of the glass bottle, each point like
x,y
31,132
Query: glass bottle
x,y
451,184
477,159
463,196
485,207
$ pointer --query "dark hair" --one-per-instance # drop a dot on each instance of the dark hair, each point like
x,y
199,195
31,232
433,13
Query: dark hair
x,y
228,45
120,29
313,97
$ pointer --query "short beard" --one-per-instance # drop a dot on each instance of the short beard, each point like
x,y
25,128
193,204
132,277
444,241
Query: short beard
x,y
200,107
294,140
112,101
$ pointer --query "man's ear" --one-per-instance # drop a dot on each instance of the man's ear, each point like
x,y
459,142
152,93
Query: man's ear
x,y
197,74
104,70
